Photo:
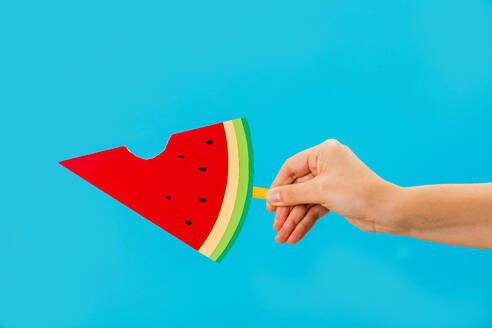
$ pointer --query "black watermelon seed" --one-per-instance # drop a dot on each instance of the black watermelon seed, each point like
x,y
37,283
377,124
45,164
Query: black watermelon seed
x,y
188,222
202,168
203,200
180,156
209,142
168,197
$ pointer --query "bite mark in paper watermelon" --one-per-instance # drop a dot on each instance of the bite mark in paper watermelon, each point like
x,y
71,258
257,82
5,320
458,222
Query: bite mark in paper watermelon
x,y
198,189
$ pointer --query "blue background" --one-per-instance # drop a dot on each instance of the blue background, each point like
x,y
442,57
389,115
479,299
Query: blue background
x,y
406,84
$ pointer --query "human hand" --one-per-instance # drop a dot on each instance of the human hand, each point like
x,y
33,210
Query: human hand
x,y
330,177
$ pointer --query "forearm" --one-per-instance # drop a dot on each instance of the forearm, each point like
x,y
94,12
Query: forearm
x,y
450,214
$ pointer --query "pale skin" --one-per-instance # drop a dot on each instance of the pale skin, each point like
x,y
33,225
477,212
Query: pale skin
x,y
330,177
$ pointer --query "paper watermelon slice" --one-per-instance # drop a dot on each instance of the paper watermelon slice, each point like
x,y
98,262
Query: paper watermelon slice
x,y
198,189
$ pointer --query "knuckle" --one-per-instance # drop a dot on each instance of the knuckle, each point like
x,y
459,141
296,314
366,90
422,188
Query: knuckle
x,y
332,145
332,142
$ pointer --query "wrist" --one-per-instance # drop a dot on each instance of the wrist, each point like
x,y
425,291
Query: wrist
x,y
388,212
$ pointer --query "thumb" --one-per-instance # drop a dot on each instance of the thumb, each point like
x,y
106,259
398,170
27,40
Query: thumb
x,y
294,194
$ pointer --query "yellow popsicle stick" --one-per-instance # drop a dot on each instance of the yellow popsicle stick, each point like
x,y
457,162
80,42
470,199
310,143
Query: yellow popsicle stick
x,y
259,192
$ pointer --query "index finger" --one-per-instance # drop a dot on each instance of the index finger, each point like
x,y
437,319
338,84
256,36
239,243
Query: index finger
x,y
293,168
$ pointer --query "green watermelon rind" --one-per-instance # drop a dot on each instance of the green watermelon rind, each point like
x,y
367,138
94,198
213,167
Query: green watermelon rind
x,y
243,193
243,125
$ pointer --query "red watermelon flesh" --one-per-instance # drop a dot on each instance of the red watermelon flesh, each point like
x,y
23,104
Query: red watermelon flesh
x,y
180,190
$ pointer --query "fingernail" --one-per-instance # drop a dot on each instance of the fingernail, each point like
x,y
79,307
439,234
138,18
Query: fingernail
x,y
273,196
278,239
